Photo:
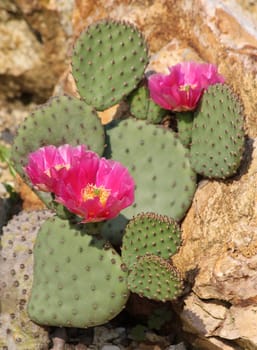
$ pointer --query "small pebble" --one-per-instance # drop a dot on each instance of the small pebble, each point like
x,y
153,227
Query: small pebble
x,y
110,347
180,346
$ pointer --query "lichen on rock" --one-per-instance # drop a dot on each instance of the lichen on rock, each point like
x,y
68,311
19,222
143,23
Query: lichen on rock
x,y
17,331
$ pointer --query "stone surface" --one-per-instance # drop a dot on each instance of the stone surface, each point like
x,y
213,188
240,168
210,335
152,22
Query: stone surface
x,y
220,250
33,48
221,32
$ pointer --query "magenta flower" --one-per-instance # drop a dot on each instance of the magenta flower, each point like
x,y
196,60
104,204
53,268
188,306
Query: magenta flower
x,y
46,162
181,89
94,188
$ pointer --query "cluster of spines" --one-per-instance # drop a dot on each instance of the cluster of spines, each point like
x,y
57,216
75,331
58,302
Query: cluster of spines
x,y
149,242
155,278
150,233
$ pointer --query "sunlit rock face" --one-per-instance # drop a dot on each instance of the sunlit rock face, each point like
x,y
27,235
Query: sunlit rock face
x,y
219,251
33,47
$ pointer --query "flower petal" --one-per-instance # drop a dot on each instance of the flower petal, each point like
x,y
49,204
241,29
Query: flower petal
x,y
181,89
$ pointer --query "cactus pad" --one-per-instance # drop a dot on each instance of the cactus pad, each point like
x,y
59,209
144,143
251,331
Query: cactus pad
x,y
61,120
165,182
154,278
217,134
148,233
108,61
17,331
184,125
79,280
143,107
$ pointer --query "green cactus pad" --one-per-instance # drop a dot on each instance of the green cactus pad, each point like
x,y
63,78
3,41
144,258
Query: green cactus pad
x,y
108,61
143,107
148,233
165,182
61,120
79,280
218,134
154,278
185,124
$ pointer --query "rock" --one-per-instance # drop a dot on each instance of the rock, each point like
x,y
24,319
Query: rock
x,y
219,250
30,201
220,32
110,347
104,336
172,53
180,346
33,47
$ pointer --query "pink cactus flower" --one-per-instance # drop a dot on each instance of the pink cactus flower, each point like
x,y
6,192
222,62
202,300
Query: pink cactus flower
x,y
96,189
47,161
181,89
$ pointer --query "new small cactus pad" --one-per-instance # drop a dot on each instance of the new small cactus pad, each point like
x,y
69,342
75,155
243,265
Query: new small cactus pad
x,y
165,182
218,134
17,331
108,61
184,125
79,280
143,107
149,233
154,278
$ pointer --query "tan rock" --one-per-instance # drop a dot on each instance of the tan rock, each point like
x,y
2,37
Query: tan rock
x,y
200,317
201,320
221,32
174,52
240,322
33,47
219,248
214,323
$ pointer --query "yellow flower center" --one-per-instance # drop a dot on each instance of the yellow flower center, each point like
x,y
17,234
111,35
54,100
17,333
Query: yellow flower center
x,y
187,87
92,191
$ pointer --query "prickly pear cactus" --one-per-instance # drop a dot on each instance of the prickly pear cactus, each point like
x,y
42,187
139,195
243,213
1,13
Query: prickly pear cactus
x,y
159,164
155,278
108,62
148,233
61,120
143,107
184,125
218,134
79,280
17,331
